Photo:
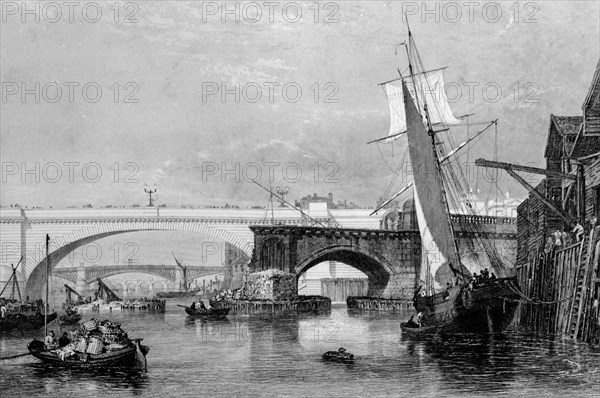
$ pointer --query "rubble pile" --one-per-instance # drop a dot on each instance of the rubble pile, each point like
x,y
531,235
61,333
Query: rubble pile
x,y
271,284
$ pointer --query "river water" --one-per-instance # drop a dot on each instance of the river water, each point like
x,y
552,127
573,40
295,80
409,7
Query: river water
x,y
265,356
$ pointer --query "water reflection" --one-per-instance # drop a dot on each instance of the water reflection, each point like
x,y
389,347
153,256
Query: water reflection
x,y
59,379
282,356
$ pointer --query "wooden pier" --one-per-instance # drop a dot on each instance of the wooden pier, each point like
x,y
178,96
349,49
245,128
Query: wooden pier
x,y
561,291
379,304
246,307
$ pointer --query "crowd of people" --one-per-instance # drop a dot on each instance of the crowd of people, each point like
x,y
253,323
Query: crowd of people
x,y
482,278
568,236
13,306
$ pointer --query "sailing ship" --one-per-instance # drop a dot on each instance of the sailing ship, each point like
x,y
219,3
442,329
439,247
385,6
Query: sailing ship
x,y
449,300
185,284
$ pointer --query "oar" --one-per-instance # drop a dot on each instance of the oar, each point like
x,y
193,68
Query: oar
x,y
182,306
15,356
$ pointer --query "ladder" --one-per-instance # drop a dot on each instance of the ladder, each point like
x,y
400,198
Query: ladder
x,y
574,324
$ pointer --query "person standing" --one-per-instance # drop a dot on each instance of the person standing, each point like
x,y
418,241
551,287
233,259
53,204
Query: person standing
x,y
64,340
578,232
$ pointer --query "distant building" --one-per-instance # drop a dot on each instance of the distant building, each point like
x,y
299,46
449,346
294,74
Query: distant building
x,y
406,218
308,199
401,219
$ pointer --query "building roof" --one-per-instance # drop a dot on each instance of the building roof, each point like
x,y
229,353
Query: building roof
x,y
592,100
585,145
561,135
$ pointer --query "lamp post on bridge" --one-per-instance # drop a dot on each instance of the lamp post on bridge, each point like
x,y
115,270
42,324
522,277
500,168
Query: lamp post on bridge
x,y
150,192
281,195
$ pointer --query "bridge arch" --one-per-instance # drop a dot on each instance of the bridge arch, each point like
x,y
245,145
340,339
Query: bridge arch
x,y
163,285
377,268
61,246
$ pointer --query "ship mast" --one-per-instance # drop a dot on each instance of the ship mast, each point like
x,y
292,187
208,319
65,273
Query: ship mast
x,y
436,156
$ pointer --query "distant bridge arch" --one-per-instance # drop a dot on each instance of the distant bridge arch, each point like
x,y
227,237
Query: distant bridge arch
x,y
169,272
63,245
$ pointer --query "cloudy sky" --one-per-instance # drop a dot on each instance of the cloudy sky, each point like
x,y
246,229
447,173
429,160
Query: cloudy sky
x,y
302,94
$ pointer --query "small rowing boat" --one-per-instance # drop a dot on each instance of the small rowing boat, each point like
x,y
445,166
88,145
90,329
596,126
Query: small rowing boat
x,y
341,355
415,330
206,313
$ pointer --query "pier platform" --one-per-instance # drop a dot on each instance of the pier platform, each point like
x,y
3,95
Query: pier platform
x,y
247,307
379,304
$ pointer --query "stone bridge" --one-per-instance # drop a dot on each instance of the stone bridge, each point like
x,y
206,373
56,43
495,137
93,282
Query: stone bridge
x,y
360,241
169,272
23,231
390,259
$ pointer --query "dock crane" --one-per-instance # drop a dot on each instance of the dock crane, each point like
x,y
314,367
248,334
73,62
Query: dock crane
x,y
15,282
104,292
511,168
69,290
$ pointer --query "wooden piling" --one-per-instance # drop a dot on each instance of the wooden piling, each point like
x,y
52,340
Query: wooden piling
x,y
563,288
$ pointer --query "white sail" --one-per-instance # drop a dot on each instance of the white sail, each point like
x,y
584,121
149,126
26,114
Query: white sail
x,y
432,212
432,257
430,90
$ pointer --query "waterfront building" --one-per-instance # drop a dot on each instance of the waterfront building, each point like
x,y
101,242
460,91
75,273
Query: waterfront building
x,y
554,263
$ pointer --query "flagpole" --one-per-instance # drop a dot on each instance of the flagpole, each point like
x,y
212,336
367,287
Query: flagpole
x,y
47,273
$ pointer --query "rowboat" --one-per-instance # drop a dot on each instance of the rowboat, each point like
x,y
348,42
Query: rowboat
x,y
339,356
411,330
207,313
134,355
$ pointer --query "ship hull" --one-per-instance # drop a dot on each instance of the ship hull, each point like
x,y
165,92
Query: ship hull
x,y
485,308
130,357
24,322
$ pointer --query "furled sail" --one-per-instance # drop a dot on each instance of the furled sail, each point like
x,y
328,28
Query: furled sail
x,y
436,233
430,90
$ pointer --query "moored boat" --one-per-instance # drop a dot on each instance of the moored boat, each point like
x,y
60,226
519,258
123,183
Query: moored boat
x,y
450,300
24,322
